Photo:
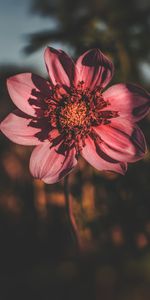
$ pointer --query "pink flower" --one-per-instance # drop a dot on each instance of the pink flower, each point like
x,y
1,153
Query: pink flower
x,y
72,115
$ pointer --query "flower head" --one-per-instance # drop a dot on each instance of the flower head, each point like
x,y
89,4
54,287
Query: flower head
x,y
72,115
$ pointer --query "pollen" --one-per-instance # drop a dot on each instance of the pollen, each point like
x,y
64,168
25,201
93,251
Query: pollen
x,y
73,115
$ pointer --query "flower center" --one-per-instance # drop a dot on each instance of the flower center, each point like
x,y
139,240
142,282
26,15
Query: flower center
x,y
73,115
74,112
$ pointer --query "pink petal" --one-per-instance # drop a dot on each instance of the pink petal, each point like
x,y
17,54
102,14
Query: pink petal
x,y
94,69
27,92
59,65
99,160
131,101
48,165
122,140
16,126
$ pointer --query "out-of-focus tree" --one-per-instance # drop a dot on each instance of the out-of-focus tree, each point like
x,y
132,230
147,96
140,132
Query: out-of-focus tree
x,y
119,28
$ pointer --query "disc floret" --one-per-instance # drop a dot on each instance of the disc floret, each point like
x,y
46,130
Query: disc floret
x,y
74,112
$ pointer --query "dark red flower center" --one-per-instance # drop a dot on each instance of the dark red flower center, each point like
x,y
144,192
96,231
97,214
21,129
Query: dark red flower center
x,y
74,112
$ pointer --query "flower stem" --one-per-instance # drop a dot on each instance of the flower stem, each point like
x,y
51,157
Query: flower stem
x,y
40,203
70,216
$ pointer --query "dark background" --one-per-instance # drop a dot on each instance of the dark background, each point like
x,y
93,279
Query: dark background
x,y
38,259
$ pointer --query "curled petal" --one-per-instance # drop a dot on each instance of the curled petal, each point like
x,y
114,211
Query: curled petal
x,y
99,160
131,101
94,69
16,126
48,165
59,65
27,91
122,140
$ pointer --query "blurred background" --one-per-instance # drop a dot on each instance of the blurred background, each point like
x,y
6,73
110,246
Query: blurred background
x,y
38,259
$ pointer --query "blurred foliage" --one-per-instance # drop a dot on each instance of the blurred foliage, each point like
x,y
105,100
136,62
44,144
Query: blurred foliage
x,y
37,255
119,28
